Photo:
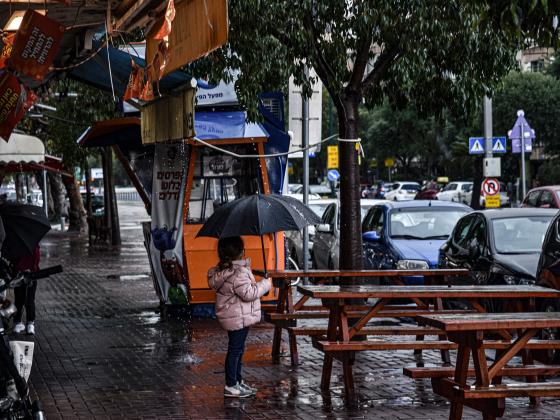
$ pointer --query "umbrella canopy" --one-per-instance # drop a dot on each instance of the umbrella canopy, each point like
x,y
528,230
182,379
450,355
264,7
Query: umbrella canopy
x,y
24,227
258,214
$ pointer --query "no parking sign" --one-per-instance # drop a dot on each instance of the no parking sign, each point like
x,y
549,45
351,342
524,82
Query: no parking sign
x,y
491,192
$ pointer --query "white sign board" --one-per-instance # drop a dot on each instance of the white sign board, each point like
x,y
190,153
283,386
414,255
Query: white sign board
x,y
295,115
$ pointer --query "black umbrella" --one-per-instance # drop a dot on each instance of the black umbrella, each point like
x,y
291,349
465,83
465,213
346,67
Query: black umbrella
x,y
258,214
24,227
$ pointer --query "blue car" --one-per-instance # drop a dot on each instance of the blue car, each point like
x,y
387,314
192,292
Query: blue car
x,y
407,235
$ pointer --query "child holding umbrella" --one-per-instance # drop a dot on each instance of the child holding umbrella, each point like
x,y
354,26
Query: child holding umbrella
x,y
237,308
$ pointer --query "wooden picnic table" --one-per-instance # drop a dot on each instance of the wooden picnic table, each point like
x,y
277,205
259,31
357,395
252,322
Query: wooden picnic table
x,y
339,344
285,313
488,394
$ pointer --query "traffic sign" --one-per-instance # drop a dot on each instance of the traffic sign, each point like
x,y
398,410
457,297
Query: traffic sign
x,y
498,144
516,146
389,162
332,157
491,186
476,145
333,175
492,201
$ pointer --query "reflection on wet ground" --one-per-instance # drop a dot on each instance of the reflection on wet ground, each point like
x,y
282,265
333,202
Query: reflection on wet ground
x,y
103,351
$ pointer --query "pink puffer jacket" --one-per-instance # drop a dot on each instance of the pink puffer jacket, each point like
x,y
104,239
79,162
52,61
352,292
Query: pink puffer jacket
x,y
238,295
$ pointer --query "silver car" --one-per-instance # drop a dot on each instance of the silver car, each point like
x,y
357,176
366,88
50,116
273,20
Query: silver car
x,y
327,235
294,239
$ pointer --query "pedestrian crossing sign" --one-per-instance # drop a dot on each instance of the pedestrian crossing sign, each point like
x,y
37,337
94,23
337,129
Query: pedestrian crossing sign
x,y
498,144
476,145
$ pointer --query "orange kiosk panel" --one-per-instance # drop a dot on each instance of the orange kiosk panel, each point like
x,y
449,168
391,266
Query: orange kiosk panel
x,y
213,179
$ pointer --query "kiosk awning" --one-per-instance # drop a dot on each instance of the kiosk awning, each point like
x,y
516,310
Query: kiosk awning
x,y
22,148
120,131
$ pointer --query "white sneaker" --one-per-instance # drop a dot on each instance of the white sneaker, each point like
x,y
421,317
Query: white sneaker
x,y
236,391
246,386
19,328
31,328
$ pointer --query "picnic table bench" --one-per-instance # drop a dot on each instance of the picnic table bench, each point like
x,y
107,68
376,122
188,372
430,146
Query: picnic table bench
x,y
488,394
338,342
285,313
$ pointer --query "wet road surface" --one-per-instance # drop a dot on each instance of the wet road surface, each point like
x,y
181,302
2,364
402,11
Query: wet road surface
x,y
104,352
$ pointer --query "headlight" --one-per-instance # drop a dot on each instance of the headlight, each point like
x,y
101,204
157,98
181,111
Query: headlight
x,y
518,281
412,265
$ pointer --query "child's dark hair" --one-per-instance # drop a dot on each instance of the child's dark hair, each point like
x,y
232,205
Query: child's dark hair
x,y
229,249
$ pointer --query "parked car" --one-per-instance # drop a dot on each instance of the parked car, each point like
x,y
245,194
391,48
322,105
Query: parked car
x,y
97,202
323,191
504,198
294,238
292,188
381,189
408,235
327,235
545,197
548,275
498,246
427,194
403,191
456,191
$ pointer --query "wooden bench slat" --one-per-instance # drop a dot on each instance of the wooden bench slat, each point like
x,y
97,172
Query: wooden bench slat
x,y
353,314
384,330
337,346
334,346
533,389
447,372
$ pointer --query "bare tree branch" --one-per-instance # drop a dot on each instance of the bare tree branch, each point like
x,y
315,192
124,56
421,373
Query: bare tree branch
x,y
360,63
382,64
323,70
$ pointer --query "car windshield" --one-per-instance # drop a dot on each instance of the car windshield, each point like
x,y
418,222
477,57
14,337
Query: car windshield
x,y
424,223
411,187
520,235
364,210
318,208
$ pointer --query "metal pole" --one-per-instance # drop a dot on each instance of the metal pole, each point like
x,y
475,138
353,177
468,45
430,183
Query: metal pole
x,y
45,194
523,186
488,126
305,143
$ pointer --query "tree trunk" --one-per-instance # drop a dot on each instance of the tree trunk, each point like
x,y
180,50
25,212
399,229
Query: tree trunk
x,y
19,188
88,190
76,213
57,194
477,182
350,215
111,218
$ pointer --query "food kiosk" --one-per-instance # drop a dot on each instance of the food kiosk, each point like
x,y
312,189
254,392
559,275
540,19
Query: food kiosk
x,y
217,175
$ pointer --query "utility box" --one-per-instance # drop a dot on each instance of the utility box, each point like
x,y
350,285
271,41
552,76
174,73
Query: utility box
x,y
492,167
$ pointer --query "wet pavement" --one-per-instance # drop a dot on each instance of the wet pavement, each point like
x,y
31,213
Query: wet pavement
x,y
103,352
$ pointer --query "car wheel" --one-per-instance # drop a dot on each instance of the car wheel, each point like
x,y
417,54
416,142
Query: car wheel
x,y
549,356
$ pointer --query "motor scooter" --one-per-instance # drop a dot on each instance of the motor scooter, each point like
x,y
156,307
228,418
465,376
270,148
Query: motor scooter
x,y
15,401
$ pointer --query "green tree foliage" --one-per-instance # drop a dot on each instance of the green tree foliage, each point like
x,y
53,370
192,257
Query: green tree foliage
x,y
438,54
538,95
75,113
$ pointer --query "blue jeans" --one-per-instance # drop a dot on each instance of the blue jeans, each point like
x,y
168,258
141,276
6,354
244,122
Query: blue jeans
x,y
236,348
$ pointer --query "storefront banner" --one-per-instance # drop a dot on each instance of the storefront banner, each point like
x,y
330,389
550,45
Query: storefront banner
x,y
166,244
212,95
6,44
35,45
15,101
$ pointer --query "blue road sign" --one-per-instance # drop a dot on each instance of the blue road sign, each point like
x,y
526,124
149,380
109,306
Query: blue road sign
x,y
499,144
476,145
333,175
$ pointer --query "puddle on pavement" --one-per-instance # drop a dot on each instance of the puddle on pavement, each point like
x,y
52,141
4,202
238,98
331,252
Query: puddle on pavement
x,y
128,277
